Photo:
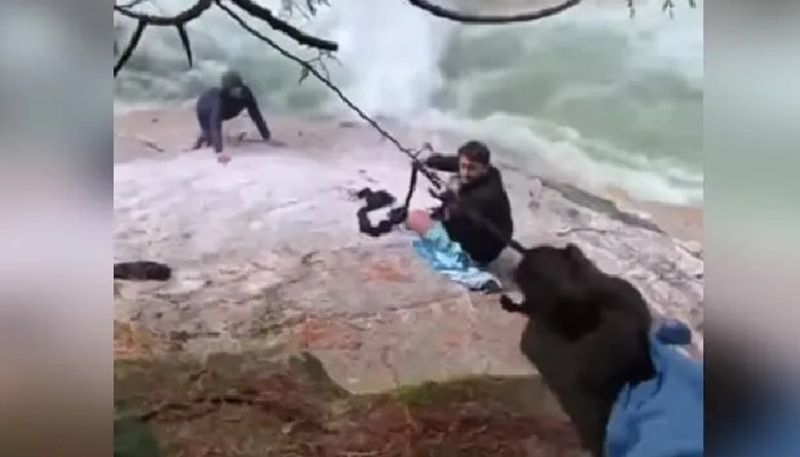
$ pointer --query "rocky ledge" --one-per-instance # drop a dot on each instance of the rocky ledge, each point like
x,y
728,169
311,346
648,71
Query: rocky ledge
x,y
267,259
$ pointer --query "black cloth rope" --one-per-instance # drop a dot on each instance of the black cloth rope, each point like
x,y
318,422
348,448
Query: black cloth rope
x,y
381,199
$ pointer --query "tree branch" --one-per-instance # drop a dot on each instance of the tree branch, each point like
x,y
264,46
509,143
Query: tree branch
x,y
132,3
288,8
185,42
179,21
281,26
183,17
457,16
667,6
137,35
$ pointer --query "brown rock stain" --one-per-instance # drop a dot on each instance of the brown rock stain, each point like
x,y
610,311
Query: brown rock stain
x,y
315,333
130,342
386,271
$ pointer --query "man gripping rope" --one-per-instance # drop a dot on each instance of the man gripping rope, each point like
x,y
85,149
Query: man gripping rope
x,y
452,241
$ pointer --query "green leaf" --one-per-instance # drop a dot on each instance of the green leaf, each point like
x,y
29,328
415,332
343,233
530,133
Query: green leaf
x,y
303,74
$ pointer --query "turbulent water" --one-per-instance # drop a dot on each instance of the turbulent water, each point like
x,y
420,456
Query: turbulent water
x,y
605,98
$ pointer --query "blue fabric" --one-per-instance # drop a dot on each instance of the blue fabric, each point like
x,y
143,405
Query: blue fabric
x,y
449,259
662,417
674,332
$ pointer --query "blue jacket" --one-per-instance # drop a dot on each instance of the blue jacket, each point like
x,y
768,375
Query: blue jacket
x,y
661,417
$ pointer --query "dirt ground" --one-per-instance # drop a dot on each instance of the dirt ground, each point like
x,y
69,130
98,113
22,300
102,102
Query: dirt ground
x,y
236,406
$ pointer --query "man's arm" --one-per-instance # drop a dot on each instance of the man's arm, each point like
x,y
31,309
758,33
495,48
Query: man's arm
x,y
215,124
480,201
255,115
442,162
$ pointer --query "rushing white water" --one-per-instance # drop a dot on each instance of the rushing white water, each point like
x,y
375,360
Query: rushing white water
x,y
604,98
391,53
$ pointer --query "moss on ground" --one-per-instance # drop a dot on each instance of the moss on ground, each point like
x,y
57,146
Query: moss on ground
x,y
244,405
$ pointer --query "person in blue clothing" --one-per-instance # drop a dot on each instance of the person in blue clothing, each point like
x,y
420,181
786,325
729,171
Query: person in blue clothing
x,y
662,416
222,103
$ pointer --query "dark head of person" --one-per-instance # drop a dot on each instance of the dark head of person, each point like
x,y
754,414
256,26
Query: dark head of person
x,y
232,84
474,162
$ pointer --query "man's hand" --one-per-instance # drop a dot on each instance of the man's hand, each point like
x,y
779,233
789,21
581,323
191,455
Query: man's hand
x,y
449,201
424,153
446,197
223,158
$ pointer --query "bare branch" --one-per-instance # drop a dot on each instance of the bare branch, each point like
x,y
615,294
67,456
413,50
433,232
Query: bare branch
x,y
137,35
281,26
303,75
667,6
457,16
132,3
324,68
311,7
288,7
179,21
319,60
185,42
181,18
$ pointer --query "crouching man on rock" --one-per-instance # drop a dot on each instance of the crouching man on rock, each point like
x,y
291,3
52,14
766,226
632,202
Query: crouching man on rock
x,y
221,104
452,241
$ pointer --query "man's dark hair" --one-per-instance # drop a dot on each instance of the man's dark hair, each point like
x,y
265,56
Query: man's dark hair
x,y
475,151
231,79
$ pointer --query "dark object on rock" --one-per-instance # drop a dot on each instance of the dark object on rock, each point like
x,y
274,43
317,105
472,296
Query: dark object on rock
x,y
381,199
375,199
142,270
587,334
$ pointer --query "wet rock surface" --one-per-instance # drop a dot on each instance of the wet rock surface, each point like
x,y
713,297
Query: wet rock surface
x,y
266,256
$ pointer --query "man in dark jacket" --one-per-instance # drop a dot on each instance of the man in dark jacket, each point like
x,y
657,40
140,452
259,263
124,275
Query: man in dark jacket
x,y
480,190
223,103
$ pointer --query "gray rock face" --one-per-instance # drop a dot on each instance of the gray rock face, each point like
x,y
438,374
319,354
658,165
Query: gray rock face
x,y
266,256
